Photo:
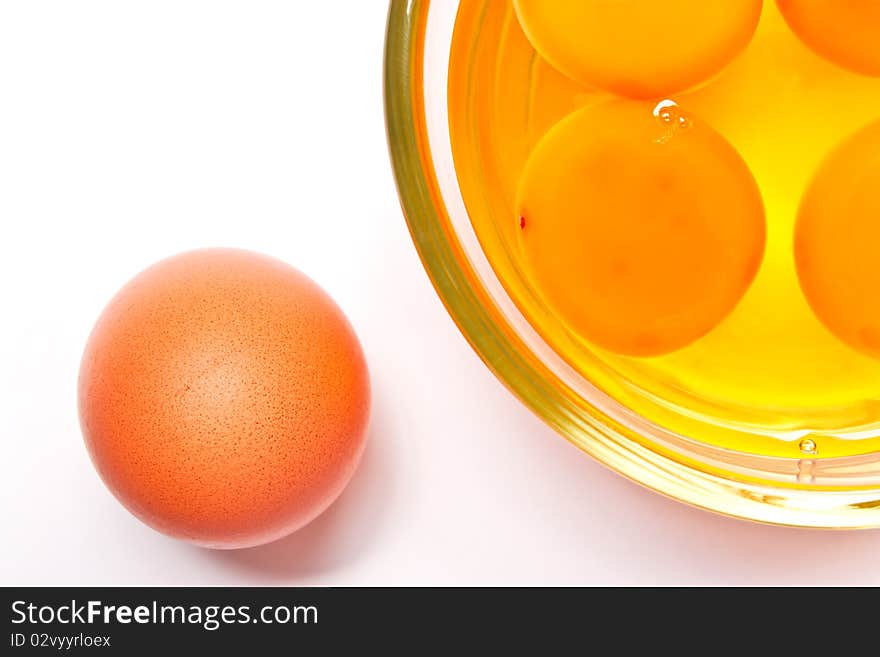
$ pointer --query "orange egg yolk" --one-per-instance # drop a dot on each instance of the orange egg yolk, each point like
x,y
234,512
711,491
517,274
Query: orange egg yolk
x,y
641,225
846,32
837,241
641,48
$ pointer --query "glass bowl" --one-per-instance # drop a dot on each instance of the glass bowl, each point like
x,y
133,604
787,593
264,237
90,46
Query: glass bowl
x,y
841,492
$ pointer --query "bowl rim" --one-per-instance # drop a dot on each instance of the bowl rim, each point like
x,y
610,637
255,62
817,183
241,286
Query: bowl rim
x,y
473,311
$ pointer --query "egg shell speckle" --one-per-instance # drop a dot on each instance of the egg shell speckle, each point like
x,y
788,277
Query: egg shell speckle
x,y
224,398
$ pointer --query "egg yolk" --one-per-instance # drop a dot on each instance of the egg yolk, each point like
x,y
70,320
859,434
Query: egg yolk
x,y
846,32
641,225
639,48
837,241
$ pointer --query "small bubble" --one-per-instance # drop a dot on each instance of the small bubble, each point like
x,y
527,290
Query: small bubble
x,y
666,110
669,113
808,446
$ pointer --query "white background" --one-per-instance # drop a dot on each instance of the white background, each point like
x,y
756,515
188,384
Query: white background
x,y
133,130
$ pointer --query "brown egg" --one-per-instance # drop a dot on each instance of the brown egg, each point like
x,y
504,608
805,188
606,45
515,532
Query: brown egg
x,y
224,398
